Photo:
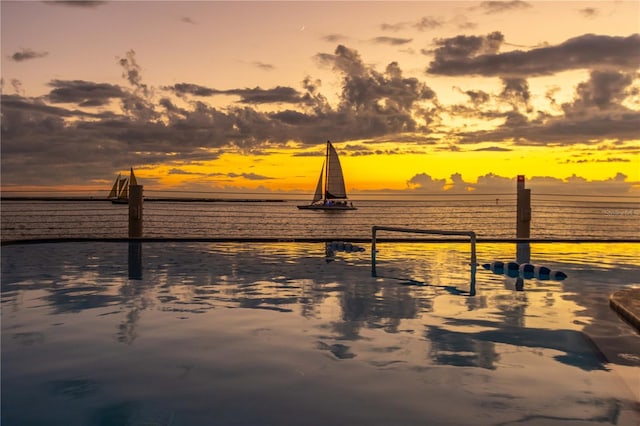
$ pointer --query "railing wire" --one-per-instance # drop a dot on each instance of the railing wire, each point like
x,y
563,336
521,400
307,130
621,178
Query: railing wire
x,y
489,215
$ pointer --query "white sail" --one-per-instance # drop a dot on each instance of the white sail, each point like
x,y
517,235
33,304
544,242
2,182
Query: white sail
x,y
335,180
123,189
114,189
132,179
318,195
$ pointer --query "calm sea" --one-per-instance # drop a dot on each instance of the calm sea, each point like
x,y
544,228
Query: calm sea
x,y
266,333
282,220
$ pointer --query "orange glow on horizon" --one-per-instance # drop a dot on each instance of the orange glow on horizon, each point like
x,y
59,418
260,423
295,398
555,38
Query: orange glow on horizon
x,y
281,170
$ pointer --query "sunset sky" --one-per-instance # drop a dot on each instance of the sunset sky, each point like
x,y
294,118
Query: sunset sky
x,y
418,97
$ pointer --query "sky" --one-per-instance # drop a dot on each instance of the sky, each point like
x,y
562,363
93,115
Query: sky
x,y
421,97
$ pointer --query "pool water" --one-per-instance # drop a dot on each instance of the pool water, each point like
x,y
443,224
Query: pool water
x,y
107,333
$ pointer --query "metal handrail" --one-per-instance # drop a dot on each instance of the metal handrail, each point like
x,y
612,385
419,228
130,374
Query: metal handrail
x,y
375,229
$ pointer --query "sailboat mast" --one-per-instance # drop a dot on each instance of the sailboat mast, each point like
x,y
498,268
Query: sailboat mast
x,y
326,173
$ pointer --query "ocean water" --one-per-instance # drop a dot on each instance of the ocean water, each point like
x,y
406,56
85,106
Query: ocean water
x,y
492,218
178,333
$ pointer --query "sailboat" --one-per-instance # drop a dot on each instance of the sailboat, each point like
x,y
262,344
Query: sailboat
x,y
119,193
330,191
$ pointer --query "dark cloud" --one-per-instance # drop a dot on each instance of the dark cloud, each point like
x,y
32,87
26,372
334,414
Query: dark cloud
x,y
363,87
492,183
374,103
604,89
26,54
43,142
263,66
494,149
596,112
187,20
178,171
491,7
598,160
293,118
344,60
335,38
140,103
394,41
424,182
464,47
77,3
428,23
131,71
249,176
563,130
472,55
355,148
279,94
309,154
477,97
84,93
462,23
154,130
424,24
193,89
40,143
516,92
262,96
16,103
589,12
359,150
616,185
393,27
16,84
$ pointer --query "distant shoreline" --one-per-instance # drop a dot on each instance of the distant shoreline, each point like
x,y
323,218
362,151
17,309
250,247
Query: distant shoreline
x,y
172,200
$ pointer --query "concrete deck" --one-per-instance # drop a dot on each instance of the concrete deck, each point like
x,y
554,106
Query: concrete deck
x,y
627,304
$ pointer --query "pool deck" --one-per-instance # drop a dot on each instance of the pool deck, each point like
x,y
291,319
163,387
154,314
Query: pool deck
x,y
627,304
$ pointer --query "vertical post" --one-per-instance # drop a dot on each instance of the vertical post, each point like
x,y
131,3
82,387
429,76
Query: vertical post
x,y
135,211
472,237
474,264
523,222
373,250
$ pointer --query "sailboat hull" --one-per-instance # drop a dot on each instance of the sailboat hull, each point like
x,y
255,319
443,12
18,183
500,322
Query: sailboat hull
x,y
326,207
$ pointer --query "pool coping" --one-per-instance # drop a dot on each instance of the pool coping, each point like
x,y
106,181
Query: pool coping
x,y
627,304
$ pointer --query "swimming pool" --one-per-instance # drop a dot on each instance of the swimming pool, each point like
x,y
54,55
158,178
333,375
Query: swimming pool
x,y
295,334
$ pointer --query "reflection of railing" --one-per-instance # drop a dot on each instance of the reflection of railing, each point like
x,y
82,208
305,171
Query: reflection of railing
x,y
470,234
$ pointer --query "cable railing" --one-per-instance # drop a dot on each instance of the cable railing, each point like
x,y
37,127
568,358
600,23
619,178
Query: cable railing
x,y
490,216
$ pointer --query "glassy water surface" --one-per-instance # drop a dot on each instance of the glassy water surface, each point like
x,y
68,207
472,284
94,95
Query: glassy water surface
x,y
296,334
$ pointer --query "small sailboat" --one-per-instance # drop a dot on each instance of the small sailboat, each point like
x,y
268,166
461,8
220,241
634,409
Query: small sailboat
x,y
330,192
119,193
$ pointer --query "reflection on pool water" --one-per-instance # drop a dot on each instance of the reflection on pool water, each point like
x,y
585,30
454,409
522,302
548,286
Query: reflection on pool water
x,y
156,333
